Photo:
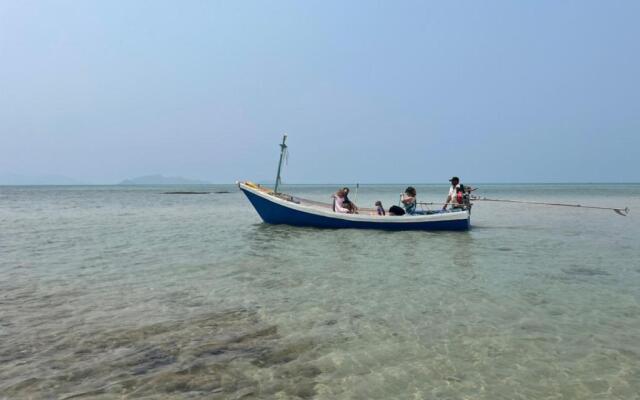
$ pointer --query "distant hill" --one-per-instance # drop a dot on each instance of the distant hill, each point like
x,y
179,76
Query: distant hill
x,y
161,180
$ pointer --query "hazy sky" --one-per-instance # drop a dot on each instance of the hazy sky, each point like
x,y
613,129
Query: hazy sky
x,y
493,91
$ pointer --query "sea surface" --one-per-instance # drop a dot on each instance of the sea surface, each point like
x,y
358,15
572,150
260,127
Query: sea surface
x,y
115,292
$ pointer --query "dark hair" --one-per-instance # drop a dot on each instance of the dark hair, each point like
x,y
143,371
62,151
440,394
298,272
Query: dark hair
x,y
411,191
379,203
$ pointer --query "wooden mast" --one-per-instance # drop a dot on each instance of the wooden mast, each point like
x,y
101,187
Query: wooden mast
x,y
283,149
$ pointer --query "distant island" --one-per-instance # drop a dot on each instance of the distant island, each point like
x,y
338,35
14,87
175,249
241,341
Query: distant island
x,y
162,180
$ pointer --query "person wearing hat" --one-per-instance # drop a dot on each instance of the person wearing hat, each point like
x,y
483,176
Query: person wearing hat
x,y
459,195
451,198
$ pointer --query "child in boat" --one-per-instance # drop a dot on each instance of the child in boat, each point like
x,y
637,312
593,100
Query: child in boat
x,y
457,201
379,208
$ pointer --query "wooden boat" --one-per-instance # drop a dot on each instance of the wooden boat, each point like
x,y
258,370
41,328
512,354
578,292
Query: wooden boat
x,y
279,208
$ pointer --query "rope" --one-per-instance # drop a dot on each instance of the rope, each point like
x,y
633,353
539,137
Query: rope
x,y
619,211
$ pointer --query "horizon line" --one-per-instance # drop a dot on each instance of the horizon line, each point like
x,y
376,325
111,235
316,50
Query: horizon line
x,y
330,183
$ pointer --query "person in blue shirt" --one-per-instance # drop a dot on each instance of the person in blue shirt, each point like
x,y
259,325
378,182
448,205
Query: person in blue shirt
x,y
409,200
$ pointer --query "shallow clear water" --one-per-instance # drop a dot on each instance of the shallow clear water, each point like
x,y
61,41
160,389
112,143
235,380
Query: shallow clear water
x,y
125,292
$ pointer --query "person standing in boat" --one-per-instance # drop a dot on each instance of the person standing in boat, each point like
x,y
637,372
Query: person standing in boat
x,y
458,194
409,200
453,190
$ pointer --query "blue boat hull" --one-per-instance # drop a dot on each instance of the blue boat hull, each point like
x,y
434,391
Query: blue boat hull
x,y
274,213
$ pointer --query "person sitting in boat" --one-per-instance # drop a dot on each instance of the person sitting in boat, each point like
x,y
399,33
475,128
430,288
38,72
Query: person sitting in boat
x,y
348,203
341,202
409,200
396,211
380,209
